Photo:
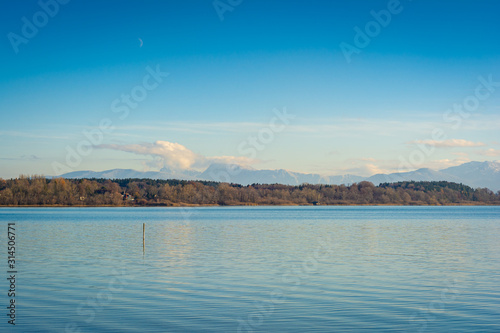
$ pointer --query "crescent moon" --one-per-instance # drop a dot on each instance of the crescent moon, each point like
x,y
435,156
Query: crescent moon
x,y
140,40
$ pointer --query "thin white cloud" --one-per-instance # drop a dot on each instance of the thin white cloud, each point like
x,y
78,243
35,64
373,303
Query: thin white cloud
x,y
367,169
329,127
325,128
363,170
462,154
490,152
366,166
31,135
449,143
21,158
445,163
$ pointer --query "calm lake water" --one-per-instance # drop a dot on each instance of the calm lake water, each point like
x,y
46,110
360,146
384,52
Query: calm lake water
x,y
261,269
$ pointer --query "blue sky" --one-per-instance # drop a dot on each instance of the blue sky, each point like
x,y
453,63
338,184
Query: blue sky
x,y
373,111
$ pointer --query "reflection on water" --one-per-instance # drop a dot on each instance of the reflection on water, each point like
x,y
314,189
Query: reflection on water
x,y
293,269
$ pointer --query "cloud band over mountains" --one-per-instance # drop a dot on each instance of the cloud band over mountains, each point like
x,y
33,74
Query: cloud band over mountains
x,y
449,143
176,156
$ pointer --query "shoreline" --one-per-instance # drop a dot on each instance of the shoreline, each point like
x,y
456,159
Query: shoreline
x,y
256,205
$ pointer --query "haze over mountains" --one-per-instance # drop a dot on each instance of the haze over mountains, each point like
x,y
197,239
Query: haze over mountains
x,y
474,174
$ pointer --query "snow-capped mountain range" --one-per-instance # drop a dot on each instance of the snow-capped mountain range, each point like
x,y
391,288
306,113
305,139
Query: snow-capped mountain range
x,y
474,174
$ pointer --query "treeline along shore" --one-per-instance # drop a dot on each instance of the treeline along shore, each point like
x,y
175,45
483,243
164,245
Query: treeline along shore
x,y
41,191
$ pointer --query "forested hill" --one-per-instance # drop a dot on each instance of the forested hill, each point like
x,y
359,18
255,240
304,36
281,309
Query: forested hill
x,y
39,191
